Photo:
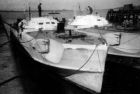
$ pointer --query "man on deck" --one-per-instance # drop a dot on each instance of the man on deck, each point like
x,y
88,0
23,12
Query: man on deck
x,y
90,9
39,10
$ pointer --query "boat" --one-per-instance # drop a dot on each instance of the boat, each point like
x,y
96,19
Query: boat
x,y
36,23
83,63
88,21
120,43
54,12
82,59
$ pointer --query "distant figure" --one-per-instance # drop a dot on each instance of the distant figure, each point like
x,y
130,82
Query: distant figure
x,y
16,24
39,10
90,9
97,14
61,26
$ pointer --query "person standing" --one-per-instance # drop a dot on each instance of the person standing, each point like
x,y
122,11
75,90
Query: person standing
x,y
90,9
39,10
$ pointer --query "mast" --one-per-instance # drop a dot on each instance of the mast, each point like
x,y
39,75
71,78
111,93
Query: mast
x,y
74,10
94,7
25,9
29,12
77,8
80,9
28,8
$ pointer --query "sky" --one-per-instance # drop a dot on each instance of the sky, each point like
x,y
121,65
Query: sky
x,y
63,4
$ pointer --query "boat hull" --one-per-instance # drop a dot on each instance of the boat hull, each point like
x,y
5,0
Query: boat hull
x,y
79,77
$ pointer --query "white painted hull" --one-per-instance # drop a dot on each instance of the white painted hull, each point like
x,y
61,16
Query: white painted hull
x,y
86,61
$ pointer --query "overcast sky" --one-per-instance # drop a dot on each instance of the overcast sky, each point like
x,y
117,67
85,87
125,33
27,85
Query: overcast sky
x,y
63,4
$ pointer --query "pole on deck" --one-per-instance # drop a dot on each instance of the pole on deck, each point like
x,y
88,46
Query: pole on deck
x,y
29,12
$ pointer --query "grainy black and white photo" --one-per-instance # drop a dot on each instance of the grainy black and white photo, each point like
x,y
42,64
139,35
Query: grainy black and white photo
x,y
69,47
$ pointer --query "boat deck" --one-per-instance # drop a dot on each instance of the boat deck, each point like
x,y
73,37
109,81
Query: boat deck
x,y
71,58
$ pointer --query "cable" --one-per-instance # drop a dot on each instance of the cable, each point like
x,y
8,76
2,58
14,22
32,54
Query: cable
x,y
127,42
126,48
9,80
27,41
99,58
88,59
130,40
86,63
3,44
103,40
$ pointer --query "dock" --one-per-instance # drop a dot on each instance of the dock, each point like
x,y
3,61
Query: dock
x,y
9,80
